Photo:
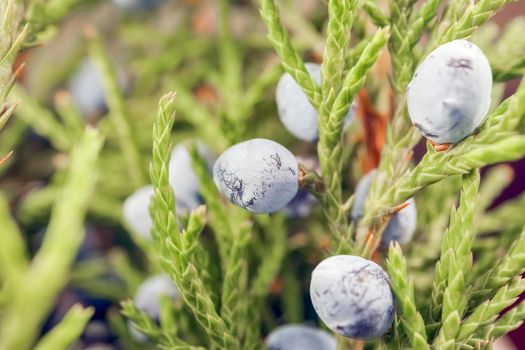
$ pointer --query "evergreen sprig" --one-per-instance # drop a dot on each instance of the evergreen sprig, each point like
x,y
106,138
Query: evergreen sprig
x,y
403,289
490,309
290,59
141,322
474,16
176,248
33,293
508,267
67,331
457,245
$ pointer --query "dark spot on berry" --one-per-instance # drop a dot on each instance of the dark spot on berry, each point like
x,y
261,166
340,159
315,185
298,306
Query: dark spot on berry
x,y
460,63
292,171
424,132
277,160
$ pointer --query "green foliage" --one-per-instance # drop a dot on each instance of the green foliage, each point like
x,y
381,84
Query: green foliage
x,y
67,331
29,292
232,268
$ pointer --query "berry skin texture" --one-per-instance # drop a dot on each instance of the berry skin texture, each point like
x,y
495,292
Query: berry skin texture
x,y
182,177
450,92
360,194
148,295
303,202
352,296
135,211
148,298
300,337
87,90
136,5
258,175
402,225
295,111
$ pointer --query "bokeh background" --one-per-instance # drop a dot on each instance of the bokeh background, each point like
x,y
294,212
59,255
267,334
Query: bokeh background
x,y
46,78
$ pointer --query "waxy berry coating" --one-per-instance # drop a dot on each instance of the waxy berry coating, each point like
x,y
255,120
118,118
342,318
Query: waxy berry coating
x,y
295,111
352,296
135,210
182,177
148,295
136,5
300,337
450,92
303,202
148,300
258,175
402,225
360,195
87,90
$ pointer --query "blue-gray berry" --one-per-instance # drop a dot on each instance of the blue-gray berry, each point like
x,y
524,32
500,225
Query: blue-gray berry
x,y
135,210
87,90
450,92
258,175
402,225
136,5
182,177
295,111
352,296
300,337
360,195
148,295
148,299
303,202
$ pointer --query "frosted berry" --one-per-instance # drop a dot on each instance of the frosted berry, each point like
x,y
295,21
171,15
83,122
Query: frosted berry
x,y
295,111
360,195
450,92
402,225
258,175
303,202
135,210
149,294
87,89
352,296
136,5
300,337
148,299
182,177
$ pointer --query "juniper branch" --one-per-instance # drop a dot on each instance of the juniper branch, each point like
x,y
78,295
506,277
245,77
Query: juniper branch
x,y
403,289
489,310
329,146
375,13
459,246
341,14
176,249
290,59
510,266
118,113
12,37
68,330
49,269
473,17
510,321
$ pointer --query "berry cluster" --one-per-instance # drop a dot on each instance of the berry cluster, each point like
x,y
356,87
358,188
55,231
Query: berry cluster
x,y
351,295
